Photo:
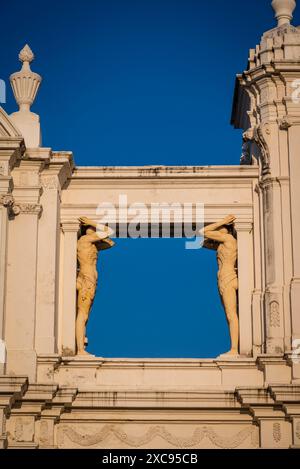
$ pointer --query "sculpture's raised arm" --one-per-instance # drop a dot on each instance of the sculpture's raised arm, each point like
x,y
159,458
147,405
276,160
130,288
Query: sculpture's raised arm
x,y
212,231
87,222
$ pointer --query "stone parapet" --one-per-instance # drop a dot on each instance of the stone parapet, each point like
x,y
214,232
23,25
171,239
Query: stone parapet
x,y
164,374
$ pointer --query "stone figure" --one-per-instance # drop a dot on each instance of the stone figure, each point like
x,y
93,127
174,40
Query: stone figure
x,y
94,238
219,236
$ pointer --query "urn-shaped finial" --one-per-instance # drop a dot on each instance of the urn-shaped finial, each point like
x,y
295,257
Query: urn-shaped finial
x,y
283,10
25,83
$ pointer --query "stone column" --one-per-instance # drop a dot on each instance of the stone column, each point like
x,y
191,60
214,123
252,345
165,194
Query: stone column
x,y
246,285
68,275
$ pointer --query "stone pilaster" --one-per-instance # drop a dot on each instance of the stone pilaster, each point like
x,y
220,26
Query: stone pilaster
x,y
22,249
246,285
294,142
68,274
53,178
11,150
257,294
273,294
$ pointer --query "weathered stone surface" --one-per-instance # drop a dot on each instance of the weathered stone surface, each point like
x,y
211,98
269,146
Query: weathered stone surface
x,y
51,398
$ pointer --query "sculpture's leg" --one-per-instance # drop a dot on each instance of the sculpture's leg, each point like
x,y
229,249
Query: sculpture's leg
x,y
84,306
229,298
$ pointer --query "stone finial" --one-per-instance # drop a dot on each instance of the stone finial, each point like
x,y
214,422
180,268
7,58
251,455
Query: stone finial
x,y
26,54
25,85
284,10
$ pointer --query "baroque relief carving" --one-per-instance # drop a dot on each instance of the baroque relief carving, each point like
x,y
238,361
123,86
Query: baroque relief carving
x,y
285,123
274,314
8,201
246,158
277,432
44,432
198,435
259,135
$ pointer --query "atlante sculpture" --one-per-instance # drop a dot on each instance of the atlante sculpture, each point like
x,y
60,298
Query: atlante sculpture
x,y
219,236
94,238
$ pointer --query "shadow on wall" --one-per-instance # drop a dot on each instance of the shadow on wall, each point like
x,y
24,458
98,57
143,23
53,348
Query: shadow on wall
x,y
155,299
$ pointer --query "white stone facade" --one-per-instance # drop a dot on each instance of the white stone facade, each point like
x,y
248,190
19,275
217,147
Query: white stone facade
x,y
49,398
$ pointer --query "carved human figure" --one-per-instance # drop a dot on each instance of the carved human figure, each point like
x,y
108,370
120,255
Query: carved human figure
x,y
219,236
94,238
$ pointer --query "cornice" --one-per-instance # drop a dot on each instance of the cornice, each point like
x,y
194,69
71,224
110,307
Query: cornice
x,y
171,173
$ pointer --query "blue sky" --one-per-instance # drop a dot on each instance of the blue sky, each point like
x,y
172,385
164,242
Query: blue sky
x,y
133,83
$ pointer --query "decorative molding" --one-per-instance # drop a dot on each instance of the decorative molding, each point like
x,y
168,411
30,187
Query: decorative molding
x,y
70,226
198,435
30,209
90,174
243,226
